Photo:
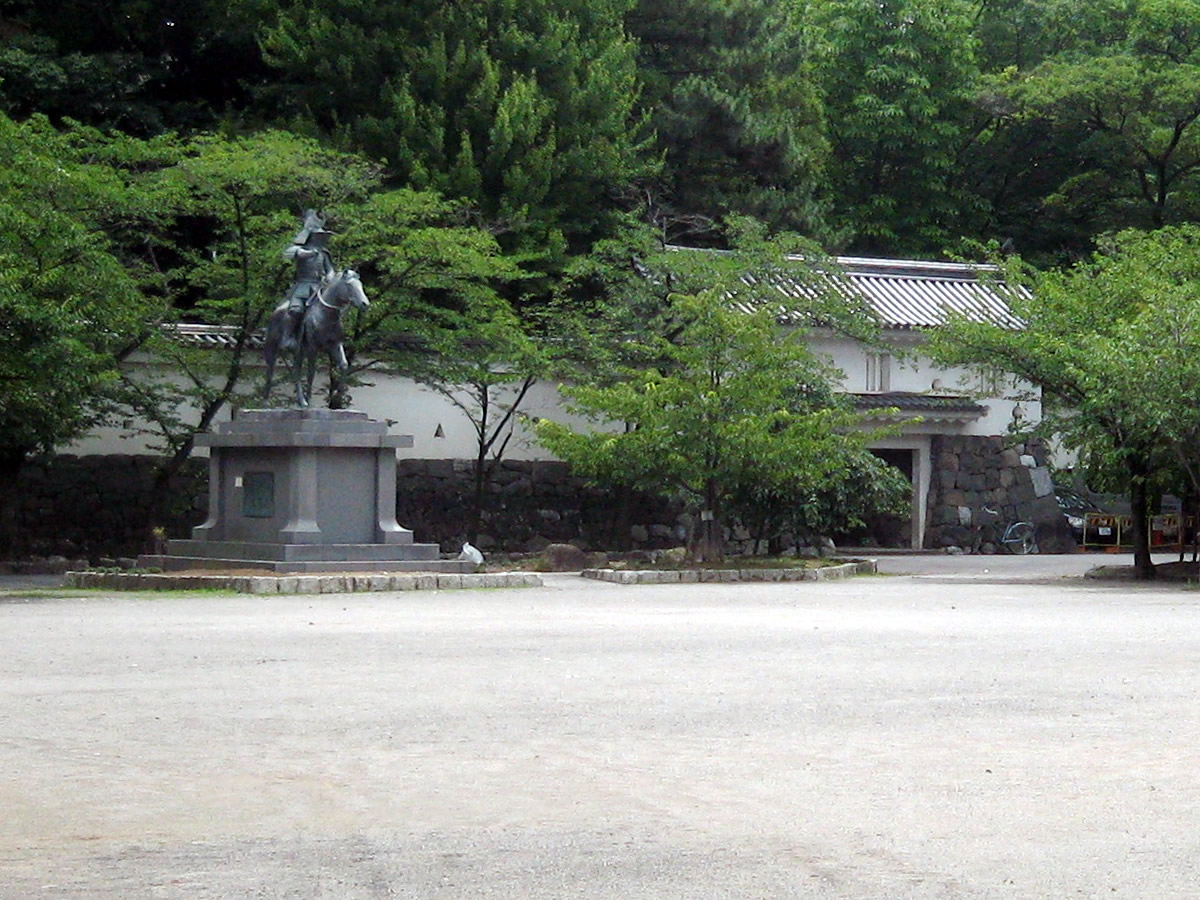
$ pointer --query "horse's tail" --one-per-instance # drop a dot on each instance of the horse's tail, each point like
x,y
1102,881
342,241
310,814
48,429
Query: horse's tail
x,y
272,340
274,335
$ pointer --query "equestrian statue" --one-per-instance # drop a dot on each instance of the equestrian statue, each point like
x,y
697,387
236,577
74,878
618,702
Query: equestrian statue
x,y
309,320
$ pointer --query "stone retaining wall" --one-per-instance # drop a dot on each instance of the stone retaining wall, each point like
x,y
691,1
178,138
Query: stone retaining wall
x,y
101,506
529,505
974,474
104,506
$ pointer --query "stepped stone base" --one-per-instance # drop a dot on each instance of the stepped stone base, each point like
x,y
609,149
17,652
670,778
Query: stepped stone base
x,y
299,558
295,491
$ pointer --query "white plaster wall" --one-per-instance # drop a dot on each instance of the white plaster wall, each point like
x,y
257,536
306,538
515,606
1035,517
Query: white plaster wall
x,y
408,407
413,409
420,411
912,372
127,436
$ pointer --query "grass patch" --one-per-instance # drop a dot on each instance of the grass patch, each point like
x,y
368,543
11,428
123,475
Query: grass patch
x,y
92,593
45,594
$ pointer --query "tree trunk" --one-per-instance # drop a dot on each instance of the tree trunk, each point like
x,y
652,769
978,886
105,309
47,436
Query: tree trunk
x,y
708,544
1139,509
622,517
478,488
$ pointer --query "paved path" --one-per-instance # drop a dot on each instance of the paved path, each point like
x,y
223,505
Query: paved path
x,y
951,734
1004,567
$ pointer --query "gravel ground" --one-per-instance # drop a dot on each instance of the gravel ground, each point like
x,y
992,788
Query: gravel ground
x,y
944,732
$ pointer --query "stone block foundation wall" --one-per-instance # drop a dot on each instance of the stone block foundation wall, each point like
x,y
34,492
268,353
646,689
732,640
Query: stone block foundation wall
x,y
528,505
971,473
107,506
104,506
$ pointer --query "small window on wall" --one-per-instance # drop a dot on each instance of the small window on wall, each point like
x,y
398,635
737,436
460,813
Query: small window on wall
x,y
879,373
990,382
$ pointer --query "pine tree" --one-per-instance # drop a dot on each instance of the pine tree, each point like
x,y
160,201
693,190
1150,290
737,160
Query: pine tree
x,y
737,114
526,109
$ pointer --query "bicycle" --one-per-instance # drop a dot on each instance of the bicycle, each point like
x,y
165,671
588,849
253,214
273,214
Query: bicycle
x,y
1018,537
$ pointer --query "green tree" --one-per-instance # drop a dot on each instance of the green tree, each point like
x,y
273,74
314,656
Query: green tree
x,y
737,113
1112,342
721,401
127,64
69,307
1104,124
899,78
484,360
524,109
439,316
1018,35
229,207
1010,175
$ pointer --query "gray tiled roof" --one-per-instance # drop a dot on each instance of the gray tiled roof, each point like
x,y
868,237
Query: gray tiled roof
x,y
913,294
919,403
195,335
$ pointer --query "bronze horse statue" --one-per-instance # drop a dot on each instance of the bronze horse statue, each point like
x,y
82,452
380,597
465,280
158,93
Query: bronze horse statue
x,y
320,331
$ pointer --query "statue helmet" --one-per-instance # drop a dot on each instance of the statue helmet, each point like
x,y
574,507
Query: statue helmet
x,y
314,227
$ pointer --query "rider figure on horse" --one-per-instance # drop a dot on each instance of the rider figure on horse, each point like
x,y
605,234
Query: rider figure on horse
x,y
313,264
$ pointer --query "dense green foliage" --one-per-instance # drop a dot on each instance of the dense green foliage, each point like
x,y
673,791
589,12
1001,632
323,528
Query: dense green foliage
x,y
715,405
69,305
899,77
737,115
525,109
893,128
1133,96
143,67
1114,341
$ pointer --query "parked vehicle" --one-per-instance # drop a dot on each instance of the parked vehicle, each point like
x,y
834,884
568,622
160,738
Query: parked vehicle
x,y
1074,507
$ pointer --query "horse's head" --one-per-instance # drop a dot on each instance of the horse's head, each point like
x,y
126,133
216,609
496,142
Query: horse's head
x,y
345,289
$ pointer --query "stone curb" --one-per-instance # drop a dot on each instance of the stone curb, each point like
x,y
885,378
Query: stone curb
x,y
709,576
300,584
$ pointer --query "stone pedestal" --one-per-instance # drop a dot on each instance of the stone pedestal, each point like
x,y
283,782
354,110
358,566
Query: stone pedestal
x,y
301,490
